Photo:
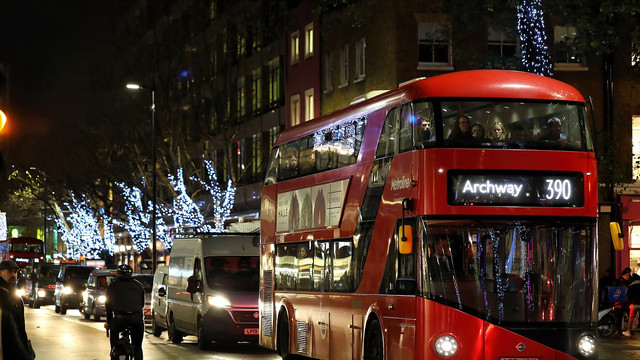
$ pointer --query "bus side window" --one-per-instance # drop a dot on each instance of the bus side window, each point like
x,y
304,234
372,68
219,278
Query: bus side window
x,y
389,135
424,134
406,128
307,158
272,172
342,273
400,271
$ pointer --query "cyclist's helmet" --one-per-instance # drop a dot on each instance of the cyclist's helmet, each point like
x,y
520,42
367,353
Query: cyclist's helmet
x,y
124,270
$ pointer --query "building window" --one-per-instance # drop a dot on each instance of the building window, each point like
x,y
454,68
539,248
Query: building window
x,y
295,110
241,157
256,90
361,46
213,9
256,158
328,72
295,46
242,46
241,97
635,143
274,82
308,105
308,41
502,43
344,66
273,135
434,46
565,48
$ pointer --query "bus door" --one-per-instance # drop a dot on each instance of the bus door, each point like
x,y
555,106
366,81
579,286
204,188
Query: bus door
x,y
399,286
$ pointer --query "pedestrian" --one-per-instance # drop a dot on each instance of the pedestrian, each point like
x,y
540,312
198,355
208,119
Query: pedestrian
x,y
11,347
125,301
11,303
633,301
620,307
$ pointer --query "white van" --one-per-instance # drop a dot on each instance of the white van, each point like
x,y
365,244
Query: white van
x,y
159,300
213,288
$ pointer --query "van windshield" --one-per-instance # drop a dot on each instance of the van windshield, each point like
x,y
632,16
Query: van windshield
x,y
232,273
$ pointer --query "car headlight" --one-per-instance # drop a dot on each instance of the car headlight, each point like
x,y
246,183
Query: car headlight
x,y
42,293
587,345
102,298
446,346
67,290
219,301
20,292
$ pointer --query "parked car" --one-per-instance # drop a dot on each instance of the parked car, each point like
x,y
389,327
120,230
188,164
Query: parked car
x,y
69,286
94,295
159,301
41,284
147,283
213,288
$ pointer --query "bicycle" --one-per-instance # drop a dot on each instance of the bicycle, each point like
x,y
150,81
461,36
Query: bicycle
x,y
123,349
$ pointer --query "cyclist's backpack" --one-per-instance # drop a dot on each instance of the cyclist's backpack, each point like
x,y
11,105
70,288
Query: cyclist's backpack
x,y
121,350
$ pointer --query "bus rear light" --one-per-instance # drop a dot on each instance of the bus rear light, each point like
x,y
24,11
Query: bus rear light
x,y
587,345
446,346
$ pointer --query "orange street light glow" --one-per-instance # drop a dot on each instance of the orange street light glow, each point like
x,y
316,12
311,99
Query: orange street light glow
x,y
3,119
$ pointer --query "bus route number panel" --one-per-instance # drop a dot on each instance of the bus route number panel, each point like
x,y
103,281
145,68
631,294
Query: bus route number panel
x,y
506,188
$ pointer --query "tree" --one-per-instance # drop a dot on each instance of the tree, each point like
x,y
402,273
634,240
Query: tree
x,y
535,55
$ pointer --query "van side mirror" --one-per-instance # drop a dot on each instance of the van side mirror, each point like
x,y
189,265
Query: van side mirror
x,y
192,284
616,236
405,236
162,292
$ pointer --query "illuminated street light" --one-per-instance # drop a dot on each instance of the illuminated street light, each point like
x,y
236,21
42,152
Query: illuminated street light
x,y
153,156
3,119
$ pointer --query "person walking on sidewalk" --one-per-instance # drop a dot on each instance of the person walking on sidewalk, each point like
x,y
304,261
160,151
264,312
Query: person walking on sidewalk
x,y
633,300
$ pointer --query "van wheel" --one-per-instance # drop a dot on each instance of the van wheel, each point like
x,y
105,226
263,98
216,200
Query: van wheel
x,y
203,343
174,334
157,330
373,349
57,309
63,310
283,337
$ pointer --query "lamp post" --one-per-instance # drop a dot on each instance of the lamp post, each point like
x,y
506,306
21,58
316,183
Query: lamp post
x,y
153,176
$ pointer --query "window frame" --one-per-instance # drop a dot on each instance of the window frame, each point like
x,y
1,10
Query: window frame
x,y
434,41
294,47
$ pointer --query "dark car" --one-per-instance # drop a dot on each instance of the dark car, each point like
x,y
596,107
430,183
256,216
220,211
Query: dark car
x,y
41,284
95,293
69,286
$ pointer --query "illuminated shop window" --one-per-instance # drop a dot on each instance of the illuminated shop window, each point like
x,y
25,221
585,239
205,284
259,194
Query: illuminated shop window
x,y
635,141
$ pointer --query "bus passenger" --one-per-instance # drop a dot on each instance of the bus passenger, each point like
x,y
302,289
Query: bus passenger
x,y
477,131
553,132
461,132
497,133
517,133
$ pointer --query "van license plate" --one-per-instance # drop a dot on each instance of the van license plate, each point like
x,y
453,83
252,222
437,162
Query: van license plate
x,y
251,331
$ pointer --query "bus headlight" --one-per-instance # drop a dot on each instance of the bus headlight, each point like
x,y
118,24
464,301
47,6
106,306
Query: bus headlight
x,y
219,301
67,290
20,292
102,298
587,345
42,293
446,346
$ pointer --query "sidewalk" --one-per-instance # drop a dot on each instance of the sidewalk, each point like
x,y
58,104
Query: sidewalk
x,y
620,348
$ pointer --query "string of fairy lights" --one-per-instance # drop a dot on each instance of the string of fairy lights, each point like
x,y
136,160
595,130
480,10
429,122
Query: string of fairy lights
x,y
533,39
89,234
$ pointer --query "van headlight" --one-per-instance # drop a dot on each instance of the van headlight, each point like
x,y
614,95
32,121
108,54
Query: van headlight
x,y
219,301
42,293
587,345
446,346
67,290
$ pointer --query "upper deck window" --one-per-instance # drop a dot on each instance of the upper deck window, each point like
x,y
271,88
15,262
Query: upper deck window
x,y
329,148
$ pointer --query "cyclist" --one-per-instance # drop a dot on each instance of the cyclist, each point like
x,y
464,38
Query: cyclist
x,y
125,301
633,299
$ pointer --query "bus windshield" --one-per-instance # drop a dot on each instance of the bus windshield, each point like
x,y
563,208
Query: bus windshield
x,y
26,247
504,124
512,271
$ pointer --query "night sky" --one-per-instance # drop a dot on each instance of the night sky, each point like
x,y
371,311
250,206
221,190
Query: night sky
x,y
53,48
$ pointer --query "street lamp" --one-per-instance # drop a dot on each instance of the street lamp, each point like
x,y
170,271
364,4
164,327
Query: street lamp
x,y
153,160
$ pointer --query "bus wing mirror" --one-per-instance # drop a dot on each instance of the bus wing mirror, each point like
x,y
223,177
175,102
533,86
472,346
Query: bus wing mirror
x,y
405,234
616,236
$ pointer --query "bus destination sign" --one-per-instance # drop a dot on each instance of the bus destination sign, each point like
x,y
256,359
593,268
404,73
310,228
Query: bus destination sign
x,y
499,188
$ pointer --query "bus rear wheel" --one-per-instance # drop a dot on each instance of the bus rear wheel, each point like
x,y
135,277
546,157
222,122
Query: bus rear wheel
x,y
373,349
283,337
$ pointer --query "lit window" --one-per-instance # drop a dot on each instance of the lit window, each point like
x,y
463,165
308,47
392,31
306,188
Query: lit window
x,y
434,45
566,46
361,46
295,110
308,41
257,91
344,66
295,44
241,97
308,105
274,82
328,72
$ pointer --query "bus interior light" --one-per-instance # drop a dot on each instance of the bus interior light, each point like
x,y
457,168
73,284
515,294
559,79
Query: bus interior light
x,y
446,346
587,345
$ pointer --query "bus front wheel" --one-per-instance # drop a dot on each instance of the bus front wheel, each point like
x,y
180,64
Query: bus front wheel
x,y
373,342
283,337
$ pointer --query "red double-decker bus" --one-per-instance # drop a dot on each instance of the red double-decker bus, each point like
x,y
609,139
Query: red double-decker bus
x,y
23,250
452,218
